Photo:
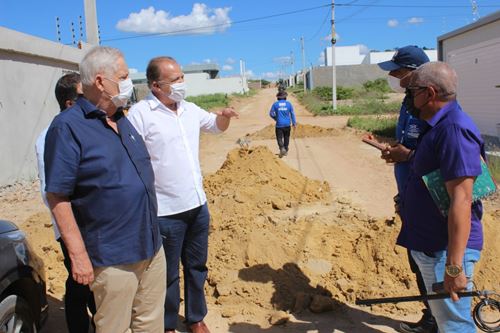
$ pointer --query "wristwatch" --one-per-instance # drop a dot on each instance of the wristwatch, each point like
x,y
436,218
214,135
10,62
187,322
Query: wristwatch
x,y
453,270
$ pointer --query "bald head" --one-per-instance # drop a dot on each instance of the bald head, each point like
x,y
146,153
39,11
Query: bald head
x,y
153,72
438,75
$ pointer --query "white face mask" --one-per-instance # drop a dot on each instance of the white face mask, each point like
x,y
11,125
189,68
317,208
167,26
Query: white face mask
x,y
395,84
126,88
177,91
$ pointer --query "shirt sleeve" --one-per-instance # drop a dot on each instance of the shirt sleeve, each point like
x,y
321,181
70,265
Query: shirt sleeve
x,y
134,116
208,121
272,112
292,114
459,153
62,160
39,150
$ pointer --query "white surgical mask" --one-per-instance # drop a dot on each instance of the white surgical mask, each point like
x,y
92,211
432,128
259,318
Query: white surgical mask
x,y
177,91
395,84
126,88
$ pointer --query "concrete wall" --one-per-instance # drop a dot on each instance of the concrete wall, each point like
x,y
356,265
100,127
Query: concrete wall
x,y
348,76
201,84
359,54
30,68
346,55
474,53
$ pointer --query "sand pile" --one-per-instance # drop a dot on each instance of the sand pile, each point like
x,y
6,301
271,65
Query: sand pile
x,y
300,131
281,243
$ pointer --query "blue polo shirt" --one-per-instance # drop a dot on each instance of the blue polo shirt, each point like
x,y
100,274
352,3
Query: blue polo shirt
x,y
109,179
282,112
408,129
453,145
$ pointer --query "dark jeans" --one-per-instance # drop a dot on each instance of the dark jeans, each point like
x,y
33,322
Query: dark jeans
x,y
185,236
283,137
76,300
421,285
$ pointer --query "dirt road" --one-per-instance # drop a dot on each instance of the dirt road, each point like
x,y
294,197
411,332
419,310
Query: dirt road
x,y
283,248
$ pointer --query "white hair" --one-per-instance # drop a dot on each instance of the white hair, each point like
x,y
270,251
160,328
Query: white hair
x,y
99,60
439,75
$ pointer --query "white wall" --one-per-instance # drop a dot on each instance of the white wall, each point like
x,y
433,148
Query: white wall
x,y
474,54
376,57
358,54
201,84
345,55
30,68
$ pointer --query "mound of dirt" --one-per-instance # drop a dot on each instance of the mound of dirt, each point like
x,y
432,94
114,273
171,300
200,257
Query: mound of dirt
x,y
317,256
300,131
282,243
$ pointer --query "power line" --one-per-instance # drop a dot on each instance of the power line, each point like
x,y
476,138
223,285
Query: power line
x,y
349,4
219,25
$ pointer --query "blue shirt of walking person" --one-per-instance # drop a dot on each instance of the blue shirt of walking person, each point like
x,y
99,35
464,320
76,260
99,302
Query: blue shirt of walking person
x,y
282,112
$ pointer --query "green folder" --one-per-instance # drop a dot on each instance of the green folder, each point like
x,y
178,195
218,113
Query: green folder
x,y
484,185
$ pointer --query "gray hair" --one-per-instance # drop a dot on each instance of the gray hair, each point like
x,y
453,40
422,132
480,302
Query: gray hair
x,y
438,75
99,60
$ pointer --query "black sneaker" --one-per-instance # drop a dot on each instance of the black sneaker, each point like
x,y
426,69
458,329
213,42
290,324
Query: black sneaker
x,y
419,327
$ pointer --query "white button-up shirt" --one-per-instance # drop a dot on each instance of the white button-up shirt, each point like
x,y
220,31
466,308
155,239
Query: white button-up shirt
x,y
173,140
39,149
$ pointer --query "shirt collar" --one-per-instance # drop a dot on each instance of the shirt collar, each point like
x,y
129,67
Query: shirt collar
x,y
92,111
89,109
442,113
155,103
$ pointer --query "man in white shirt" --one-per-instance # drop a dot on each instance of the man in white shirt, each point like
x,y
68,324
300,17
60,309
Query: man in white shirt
x,y
170,127
77,296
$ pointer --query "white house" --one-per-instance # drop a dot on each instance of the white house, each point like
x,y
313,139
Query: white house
x,y
474,52
359,54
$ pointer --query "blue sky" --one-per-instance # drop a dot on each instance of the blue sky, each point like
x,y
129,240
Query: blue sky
x,y
265,34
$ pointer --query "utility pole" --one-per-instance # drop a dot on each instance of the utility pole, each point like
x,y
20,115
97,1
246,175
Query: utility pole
x,y
303,63
91,22
334,70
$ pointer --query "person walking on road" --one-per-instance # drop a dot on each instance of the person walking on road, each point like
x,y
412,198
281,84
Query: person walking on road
x,y
282,112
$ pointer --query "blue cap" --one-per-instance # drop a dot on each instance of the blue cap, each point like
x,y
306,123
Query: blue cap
x,y
409,57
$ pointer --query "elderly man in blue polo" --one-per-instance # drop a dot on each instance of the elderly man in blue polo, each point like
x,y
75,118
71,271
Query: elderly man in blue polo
x,y
405,60
444,246
100,188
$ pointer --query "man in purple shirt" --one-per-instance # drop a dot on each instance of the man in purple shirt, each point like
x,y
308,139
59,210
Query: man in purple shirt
x,y
444,247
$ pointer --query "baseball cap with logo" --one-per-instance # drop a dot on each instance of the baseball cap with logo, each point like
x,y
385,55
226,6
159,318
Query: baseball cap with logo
x,y
409,57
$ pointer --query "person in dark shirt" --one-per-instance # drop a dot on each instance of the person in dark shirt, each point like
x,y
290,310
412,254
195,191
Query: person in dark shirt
x,y
444,246
100,188
77,297
408,129
282,112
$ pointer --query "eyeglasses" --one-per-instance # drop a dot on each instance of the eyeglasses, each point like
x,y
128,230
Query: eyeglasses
x,y
414,89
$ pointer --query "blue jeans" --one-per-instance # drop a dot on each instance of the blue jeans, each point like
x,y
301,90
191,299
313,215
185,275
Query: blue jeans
x,y
451,317
185,237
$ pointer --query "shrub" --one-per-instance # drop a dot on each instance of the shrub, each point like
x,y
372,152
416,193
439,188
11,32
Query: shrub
x,y
211,101
378,85
382,126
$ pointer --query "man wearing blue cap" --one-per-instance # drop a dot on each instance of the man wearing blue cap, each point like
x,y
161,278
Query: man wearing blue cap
x,y
408,129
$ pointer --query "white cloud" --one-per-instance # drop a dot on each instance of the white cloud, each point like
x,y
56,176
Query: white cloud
x,y
209,61
227,68
393,23
249,73
283,60
416,20
133,70
230,61
321,59
270,75
328,37
201,20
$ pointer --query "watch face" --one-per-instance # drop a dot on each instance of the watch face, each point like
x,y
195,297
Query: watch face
x,y
453,270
